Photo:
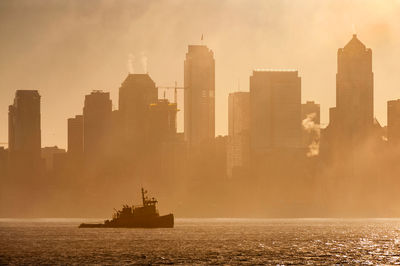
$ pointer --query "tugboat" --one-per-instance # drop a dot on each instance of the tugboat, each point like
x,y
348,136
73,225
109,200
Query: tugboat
x,y
145,216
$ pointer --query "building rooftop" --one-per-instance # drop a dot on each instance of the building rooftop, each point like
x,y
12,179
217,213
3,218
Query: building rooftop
x,y
133,78
354,44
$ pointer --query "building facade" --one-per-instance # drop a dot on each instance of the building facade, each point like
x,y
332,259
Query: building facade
x,y
199,84
75,136
354,89
136,94
393,122
275,110
24,132
238,146
96,122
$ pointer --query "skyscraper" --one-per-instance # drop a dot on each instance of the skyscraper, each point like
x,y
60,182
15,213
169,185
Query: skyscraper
x,y
275,108
75,136
238,146
162,121
96,122
393,121
354,89
24,134
199,83
136,94
352,120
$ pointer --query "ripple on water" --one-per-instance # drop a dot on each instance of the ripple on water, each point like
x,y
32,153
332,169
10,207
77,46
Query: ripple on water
x,y
212,241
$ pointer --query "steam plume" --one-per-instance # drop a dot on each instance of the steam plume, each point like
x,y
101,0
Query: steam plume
x,y
131,59
144,63
314,130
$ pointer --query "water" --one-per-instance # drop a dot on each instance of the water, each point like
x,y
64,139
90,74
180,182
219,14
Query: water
x,y
203,241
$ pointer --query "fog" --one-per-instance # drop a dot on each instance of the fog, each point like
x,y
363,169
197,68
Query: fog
x,y
65,49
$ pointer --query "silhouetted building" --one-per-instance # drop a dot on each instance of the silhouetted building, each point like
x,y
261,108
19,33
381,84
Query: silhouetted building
x,y
137,92
96,123
199,83
162,121
3,161
24,135
352,120
238,146
354,90
275,109
393,121
48,154
75,136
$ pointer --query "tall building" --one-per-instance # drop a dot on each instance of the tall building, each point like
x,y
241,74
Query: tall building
x,y
136,94
96,121
238,146
24,134
48,155
75,136
275,108
3,161
199,83
393,121
352,120
162,121
354,89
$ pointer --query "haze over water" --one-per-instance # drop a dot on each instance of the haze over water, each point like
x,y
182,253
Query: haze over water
x,y
213,241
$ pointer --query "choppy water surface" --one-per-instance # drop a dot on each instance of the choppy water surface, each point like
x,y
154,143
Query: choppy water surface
x,y
212,241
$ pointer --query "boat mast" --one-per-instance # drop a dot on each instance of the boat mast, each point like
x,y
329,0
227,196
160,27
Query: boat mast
x,y
143,198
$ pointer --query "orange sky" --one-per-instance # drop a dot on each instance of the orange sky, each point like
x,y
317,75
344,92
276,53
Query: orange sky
x,y
68,48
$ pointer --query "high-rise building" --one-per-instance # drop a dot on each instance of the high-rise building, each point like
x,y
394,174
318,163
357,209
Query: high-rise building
x,y
75,136
136,94
238,146
96,122
352,120
354,89
162,121
24,135
275,110
199,83
3,161
48,155
393,121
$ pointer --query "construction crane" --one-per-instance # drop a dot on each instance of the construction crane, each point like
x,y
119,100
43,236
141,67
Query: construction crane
x,y
176,88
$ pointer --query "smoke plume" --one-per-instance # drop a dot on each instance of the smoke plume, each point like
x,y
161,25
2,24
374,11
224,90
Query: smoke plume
x,y
131,59
144,63
313,131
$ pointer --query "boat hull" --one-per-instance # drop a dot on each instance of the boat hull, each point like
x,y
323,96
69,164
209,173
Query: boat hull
x,y
165,221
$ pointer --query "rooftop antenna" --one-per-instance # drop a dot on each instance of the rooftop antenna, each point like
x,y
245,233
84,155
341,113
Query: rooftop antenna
x,y
202,37
238,84
354,29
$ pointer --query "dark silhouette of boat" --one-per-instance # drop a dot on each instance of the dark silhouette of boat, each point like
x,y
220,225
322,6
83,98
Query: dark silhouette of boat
x,y
145,216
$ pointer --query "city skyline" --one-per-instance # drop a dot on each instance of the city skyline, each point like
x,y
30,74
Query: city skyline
x,y
261,50
162,92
